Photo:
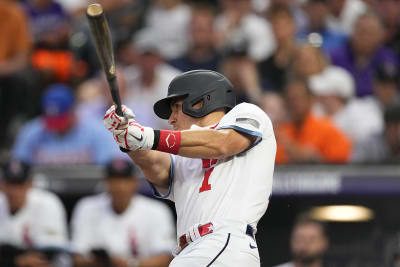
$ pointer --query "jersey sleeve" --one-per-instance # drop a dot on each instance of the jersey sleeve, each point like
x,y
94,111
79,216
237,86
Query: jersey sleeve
x,y
249,119
162,192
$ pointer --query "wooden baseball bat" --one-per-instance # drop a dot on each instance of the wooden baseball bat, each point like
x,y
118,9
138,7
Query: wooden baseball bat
x,y
102,39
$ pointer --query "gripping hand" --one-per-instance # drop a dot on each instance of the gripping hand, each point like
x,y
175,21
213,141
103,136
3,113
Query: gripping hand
x,y
128,133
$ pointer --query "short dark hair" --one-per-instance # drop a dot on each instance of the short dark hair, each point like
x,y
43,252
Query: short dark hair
x,y
16,172
278,10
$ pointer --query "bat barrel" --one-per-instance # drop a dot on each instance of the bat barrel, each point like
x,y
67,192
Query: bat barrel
x,y
102,39
101,34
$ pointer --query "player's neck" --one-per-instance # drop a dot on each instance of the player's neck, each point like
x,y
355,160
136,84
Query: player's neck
x,y
211,119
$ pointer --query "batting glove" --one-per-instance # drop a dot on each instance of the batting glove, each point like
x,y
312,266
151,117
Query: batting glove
x,y
114,122
128,133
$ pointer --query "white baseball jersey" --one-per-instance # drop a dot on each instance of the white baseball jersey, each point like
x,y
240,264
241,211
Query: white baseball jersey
x,y
40,223
145,229
235,189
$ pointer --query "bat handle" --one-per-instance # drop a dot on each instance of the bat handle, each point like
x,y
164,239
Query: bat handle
x,y
119,112
115,95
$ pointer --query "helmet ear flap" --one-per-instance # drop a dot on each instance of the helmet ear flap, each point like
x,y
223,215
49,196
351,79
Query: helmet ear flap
x,y
189,109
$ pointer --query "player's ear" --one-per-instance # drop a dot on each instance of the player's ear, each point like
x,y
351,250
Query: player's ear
x,y
198,105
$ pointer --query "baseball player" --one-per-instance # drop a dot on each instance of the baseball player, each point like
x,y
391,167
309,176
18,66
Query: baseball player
x,y
120,227
216,165
32,221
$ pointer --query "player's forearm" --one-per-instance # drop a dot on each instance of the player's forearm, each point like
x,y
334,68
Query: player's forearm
x,y
211,143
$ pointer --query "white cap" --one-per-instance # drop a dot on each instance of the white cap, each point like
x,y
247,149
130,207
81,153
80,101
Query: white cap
x,y
333,81
145,41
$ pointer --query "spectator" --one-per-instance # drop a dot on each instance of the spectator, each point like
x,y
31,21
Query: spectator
x,y
15,49
168,21
49,22
202,53
308,61
147,80
317,31
273,104
241,70
306,138
59,137
343,13
32,221
51,27
364,52
384,148
236,23
390,12
296,10
308,244
334,89
123,227
386,86
273,70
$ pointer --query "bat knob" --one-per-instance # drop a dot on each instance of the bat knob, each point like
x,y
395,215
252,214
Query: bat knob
x,y
94,10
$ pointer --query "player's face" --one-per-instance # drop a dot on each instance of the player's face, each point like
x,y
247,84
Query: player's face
x,y
308,242
178,119
121,190
15,194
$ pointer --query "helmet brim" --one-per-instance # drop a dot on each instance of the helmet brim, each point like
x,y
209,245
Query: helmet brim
x,y
162,107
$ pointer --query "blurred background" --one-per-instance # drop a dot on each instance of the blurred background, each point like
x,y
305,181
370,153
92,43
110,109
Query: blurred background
x,y
325,71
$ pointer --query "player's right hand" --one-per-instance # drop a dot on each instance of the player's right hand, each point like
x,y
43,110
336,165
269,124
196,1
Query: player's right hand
x,y
114,122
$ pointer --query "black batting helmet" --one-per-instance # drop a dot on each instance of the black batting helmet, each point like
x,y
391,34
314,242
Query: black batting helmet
x,y
213,88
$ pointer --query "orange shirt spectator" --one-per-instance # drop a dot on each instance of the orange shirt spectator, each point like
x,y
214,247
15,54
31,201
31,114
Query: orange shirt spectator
x,y
305,138
318,135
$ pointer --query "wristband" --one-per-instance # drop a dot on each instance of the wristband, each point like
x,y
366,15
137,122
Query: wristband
x,y
167,141
124,149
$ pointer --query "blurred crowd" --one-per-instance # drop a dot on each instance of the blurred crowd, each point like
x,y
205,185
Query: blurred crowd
x,y
325,71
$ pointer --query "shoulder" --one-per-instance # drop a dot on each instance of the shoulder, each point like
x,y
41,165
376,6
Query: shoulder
x,y
33,127
247,110
44,199
96,202
386,53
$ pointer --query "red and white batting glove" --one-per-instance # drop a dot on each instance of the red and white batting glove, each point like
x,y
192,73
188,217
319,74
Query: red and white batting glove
x,y
128,133
132,136
114,122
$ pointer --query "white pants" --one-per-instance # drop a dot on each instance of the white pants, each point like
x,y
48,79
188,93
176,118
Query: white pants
x,y
219,249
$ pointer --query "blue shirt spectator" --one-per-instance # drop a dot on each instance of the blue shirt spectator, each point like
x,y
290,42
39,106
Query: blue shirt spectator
x,y
317,31
327,39
59,137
